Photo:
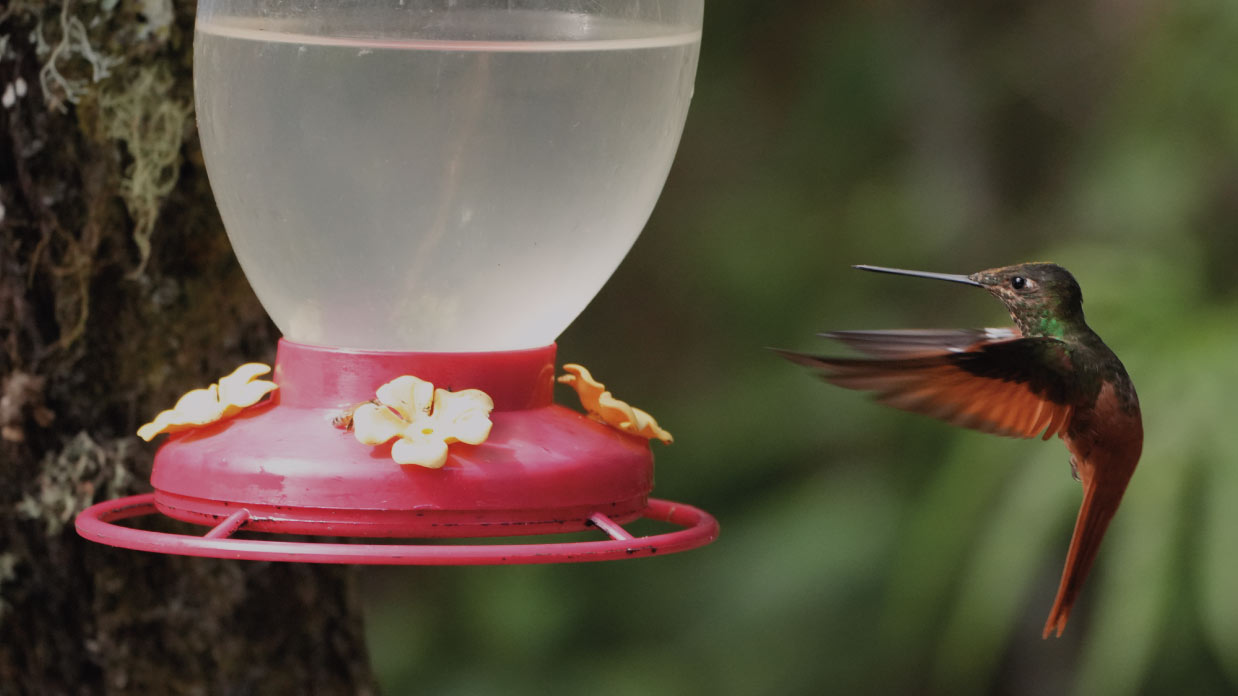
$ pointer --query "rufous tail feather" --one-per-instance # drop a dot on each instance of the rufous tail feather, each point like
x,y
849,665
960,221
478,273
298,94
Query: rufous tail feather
x,y
1095,512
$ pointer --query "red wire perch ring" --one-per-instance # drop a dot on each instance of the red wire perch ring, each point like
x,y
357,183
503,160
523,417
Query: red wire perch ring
x,y
96,523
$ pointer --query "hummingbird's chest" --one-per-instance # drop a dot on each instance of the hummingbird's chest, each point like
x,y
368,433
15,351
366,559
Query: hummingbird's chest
x,y
1110,430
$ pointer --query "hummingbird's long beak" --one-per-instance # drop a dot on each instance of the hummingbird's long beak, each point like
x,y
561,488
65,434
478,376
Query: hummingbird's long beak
x,y
922,274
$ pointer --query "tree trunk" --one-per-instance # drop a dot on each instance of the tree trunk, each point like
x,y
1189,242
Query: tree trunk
x,y
119,292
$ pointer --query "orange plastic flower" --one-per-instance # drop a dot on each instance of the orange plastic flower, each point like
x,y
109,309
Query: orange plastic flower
x,y
200,407
426,420
604,407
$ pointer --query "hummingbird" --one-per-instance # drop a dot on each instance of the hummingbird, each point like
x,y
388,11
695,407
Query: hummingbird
x,y
1049,374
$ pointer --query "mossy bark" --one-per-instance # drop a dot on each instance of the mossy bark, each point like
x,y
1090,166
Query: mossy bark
x,y
118,292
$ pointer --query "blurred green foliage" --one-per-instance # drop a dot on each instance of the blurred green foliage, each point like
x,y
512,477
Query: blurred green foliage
x,y
865,550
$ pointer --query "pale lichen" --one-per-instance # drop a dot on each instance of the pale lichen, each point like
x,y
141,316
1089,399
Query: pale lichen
x,y
151,126
71,45
22,405
69,480
159,16
8,573
12,91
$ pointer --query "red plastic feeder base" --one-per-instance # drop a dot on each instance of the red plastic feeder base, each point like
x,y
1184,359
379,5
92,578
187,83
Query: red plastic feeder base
x,y
282,467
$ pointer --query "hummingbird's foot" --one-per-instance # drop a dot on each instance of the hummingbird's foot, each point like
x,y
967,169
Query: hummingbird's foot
x,y
1074,468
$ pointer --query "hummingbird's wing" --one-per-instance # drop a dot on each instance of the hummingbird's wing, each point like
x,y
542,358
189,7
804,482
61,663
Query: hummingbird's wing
x,y
902,343
1018,387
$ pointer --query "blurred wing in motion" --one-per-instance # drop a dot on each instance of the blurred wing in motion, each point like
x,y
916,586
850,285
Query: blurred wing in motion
x,y
990,380
902,343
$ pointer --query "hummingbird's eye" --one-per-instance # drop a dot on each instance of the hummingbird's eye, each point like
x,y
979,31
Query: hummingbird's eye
x,y
1018,282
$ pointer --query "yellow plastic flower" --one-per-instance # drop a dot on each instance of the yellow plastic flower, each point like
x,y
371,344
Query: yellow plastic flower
x,y
604,407
424,418
200,407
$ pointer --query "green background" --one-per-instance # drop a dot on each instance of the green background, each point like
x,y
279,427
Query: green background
x,y
865,550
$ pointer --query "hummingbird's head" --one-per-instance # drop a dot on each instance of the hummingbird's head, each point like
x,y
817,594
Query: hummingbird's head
x,y
1043,298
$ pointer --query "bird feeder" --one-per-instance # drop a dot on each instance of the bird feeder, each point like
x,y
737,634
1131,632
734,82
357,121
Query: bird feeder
x,y
423,194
